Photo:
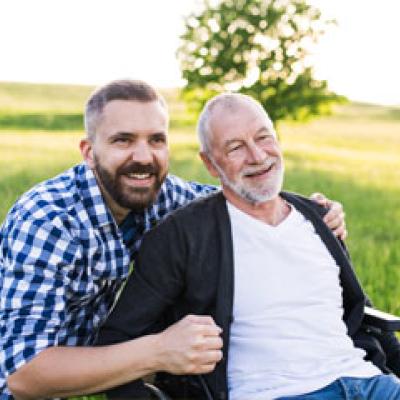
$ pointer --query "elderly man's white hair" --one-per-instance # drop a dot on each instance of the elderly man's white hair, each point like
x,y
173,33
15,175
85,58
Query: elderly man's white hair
x,y
230,102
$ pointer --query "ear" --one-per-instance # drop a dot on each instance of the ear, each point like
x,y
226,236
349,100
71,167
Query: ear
x,y
209,164
86,147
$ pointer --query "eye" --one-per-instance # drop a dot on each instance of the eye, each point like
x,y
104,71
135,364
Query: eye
x,y
121,140
158,139
235,148
264,138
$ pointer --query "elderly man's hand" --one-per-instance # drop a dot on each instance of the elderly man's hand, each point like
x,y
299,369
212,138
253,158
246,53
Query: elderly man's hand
x,y
335,217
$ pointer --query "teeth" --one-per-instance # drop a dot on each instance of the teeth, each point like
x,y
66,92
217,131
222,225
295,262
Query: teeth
x,y
260,172
139,176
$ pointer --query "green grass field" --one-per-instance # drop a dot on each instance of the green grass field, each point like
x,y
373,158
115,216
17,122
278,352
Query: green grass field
x,y
352,156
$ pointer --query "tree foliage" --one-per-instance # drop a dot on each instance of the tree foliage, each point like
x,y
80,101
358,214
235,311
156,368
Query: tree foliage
x,y
257,47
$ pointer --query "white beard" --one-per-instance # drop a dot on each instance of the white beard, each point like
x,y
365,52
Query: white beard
x,y
255,195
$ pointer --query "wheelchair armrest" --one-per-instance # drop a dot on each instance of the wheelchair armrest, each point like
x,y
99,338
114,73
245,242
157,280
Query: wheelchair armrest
x,y
381,320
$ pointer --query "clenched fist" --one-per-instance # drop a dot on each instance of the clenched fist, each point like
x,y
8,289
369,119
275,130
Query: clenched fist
x,y
191,346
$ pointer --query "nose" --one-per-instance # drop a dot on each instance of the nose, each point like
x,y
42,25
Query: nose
x,y
142,153
255,154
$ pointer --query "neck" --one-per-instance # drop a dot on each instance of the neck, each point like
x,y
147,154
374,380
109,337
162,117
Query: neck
x,y
272,212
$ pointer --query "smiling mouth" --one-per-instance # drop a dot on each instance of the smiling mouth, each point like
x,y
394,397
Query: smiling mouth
x,y
139,179
260,172
139,176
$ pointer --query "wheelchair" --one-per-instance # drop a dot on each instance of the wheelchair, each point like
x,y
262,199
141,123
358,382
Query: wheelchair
x,y
375,321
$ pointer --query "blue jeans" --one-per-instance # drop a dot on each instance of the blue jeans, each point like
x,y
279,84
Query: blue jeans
x,y
380,387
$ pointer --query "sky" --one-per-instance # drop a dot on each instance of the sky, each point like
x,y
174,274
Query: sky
x,y
94,41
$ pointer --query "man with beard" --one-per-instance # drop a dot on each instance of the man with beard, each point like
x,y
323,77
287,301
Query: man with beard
x,y
66,250
266,268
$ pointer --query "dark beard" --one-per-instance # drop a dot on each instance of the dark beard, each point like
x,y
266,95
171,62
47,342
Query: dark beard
x,y
136,199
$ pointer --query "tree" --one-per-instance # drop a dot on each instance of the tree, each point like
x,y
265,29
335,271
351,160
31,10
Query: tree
x,y
257,47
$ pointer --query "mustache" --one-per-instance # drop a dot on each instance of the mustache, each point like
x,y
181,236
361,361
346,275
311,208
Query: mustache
x,y
139,168
259,168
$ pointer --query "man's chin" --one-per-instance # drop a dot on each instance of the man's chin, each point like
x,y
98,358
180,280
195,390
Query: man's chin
x,y
138,201
257,195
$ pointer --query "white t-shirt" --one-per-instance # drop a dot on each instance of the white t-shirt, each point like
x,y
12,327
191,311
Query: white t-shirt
x,y
288,336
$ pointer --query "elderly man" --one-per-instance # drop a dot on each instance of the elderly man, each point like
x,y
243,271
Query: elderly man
x,y
66,249
265,267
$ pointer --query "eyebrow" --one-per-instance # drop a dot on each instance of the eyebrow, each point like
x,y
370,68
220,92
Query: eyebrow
x,y
130,134
265,129
161,133
260,130
121,134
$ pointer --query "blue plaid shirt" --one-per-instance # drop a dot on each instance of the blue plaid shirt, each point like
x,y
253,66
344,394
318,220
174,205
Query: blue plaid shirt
x,y
63,259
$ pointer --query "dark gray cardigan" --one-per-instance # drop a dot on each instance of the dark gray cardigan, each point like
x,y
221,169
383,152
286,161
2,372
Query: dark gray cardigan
x,y
185,265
